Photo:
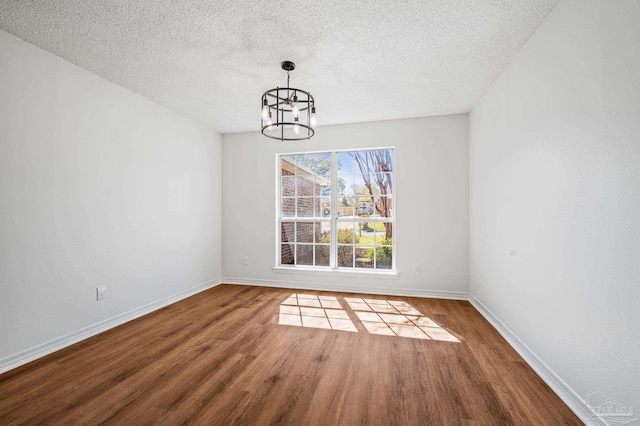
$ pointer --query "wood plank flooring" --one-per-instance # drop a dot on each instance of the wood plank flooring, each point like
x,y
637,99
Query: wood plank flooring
x,y
222,357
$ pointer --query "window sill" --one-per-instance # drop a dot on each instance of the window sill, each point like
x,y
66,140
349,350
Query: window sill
x,y
335,272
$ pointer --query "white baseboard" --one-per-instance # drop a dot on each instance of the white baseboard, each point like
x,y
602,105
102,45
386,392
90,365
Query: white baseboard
x,y
54,345
564,392
391,291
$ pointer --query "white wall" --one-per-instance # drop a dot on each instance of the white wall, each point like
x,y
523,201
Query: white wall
x,y
98,186
555,176
431,204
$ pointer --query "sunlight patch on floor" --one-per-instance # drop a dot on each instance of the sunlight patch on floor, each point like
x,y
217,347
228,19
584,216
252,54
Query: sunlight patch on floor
x,y
308,310
383,317
393,318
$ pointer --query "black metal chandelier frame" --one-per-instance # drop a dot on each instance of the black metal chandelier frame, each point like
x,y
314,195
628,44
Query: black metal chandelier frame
x,y
280,116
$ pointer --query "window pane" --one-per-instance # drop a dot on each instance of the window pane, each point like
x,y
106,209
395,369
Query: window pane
x,y
345,163
304,232
359,185
345,233
305,186
364,207
369,232
345,206
380,234
384,256
317,207
288,188
364,256
324,189
384,182
361,162
287,165
345,185
316,163
305,207
288,232
325,206
321,168
288,207
322,164
375,206
303,160
363,199
385,205
286,254
304,255
345,256
386,230
387,157
322,255
323,232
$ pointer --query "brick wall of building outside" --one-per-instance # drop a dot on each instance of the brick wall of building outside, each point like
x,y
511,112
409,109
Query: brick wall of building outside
x,y
306,188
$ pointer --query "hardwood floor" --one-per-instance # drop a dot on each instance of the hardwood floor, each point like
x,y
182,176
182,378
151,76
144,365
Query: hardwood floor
x,y
222,357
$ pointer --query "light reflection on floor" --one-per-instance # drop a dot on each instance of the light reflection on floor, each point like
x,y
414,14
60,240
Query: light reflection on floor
x,y
308,310
384,317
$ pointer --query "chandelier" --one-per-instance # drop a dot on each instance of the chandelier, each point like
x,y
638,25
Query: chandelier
x,y
288,114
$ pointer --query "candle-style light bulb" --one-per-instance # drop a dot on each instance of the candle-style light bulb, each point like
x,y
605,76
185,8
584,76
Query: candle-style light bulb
x,y
296,127
295,109
313,121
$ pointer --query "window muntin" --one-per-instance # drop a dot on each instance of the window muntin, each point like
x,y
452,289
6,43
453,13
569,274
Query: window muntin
x,y
349,224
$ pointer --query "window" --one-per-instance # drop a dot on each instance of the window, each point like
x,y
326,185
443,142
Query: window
x,y
336,210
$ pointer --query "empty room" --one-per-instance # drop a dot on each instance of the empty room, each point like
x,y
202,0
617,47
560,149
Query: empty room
x,y
320,213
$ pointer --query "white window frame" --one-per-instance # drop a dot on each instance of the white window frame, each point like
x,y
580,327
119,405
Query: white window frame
x,y
333,218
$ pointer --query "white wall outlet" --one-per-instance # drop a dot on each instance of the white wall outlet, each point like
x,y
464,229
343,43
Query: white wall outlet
x,y
417,268
101,292
245,261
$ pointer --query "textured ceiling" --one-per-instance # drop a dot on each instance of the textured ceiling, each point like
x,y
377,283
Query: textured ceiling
x,y
212,60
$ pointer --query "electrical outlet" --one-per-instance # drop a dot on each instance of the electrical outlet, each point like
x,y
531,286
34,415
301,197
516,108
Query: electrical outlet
x,y
417,268
245,261
101,292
